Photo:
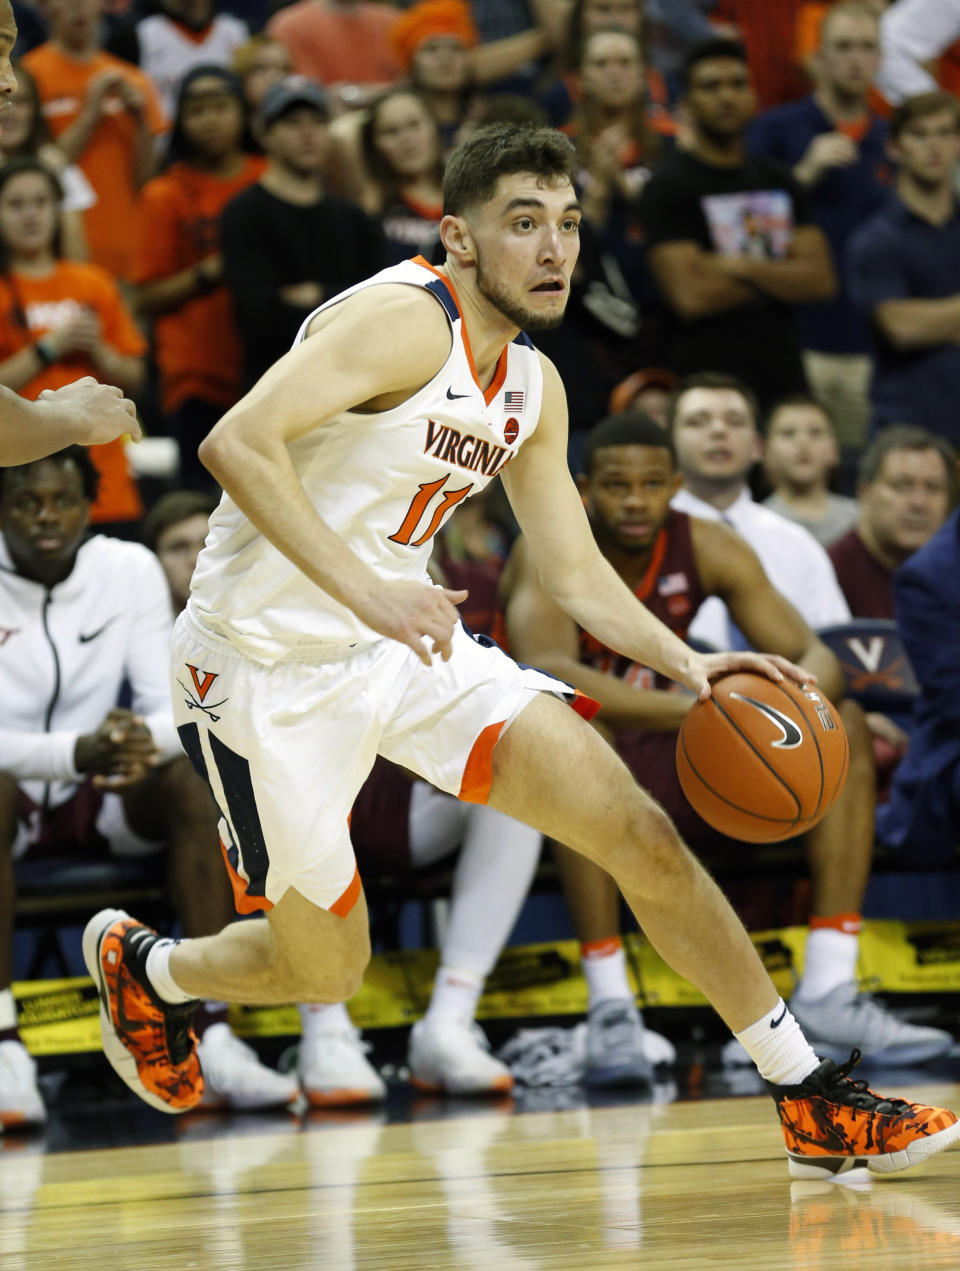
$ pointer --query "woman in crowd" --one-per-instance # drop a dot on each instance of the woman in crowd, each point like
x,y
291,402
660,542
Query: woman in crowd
x,y
259,64
61,320
25,132
400,142
179,269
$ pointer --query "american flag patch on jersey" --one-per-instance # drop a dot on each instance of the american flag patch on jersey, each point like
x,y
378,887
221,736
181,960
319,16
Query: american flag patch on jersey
x,y
513,401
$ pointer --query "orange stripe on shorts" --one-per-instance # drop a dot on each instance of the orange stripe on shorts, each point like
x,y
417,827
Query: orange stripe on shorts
x,y
346,901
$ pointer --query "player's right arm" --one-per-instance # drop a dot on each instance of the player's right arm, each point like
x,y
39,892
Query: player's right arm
x,y
730,568
372,350
85,413
541,634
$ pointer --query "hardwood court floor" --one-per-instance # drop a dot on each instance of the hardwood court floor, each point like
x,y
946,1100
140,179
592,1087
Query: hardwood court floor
x,y
677,1186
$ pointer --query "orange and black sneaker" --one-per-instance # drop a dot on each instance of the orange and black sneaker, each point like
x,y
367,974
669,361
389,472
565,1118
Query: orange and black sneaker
x,y
832,1124
149,1042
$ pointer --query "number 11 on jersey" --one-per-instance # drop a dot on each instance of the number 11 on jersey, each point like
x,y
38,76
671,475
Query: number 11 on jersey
x,y
419,505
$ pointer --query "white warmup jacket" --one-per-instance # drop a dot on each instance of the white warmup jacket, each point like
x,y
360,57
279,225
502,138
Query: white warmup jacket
x,y
66,652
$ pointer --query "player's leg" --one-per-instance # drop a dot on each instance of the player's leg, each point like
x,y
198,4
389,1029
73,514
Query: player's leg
x,y
556,773
495,865
833,1014
173,807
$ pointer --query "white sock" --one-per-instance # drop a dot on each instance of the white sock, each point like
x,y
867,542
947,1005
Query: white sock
x,y
319,1018
606,975
8,1010
778,1047
829,960
158,973
455,996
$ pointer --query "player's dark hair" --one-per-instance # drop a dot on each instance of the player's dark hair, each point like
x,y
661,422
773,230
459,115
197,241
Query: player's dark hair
x,y
907,437
500,150
78,455
712,379
172,508
798,399
708,51
633,428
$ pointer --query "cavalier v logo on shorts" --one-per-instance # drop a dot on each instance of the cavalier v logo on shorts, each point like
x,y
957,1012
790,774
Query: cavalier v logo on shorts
x,y
791,736
196,698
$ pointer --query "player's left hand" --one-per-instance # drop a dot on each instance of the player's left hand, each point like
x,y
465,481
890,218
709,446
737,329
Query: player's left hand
x,y
704,667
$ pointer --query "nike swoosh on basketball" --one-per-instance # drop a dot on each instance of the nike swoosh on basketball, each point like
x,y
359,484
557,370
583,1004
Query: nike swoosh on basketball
x,y
85,639
775,1023
790,737
456,396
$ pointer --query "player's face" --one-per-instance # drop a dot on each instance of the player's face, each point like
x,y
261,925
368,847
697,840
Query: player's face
x,y
909,499
43,516
406,136
719,97
8,37
28,214
628,493
527,238
715,436
611,71
928,148
800,446
850,53
212,118
178,547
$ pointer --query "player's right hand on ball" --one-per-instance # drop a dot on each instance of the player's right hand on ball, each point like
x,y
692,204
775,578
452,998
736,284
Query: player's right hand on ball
x,y
98,412
414,614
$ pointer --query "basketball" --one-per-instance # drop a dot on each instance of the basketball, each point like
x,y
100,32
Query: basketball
x,y
761,761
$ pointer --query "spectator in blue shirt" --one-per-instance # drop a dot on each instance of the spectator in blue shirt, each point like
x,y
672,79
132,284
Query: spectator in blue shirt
x,y
923,815
904,264
835,145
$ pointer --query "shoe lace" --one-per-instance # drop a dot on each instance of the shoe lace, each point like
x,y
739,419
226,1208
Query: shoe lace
x,y
858,1094
177,1022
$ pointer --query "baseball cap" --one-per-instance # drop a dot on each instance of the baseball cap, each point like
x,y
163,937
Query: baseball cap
x,y
295,90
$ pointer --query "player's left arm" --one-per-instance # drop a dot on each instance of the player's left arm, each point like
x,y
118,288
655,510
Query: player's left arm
x,y
730,568
573,571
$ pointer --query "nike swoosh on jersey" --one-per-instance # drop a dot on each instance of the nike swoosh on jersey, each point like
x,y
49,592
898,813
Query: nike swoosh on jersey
x,y
454,397
92,635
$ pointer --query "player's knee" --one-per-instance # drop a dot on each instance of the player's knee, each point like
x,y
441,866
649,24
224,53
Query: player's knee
x,y
653,840
336,977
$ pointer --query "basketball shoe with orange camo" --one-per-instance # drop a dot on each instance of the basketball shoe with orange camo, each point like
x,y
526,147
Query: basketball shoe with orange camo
x,y
149,1043
832,1124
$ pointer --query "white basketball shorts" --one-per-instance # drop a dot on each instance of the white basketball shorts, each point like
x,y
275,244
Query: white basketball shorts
x,y
285,748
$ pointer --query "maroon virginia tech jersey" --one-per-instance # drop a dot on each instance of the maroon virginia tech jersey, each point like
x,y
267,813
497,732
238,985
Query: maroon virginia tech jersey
x,y
670,589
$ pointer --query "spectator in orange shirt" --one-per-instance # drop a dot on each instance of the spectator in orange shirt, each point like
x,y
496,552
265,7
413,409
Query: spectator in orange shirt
x,y
61,320
104,115
342,44
178,269
25,132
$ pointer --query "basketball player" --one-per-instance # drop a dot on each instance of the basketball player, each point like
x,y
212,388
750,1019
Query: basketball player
x,y
86,412
673,562
312,641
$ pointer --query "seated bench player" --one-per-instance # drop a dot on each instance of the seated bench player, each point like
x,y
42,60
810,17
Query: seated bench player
x,y
673,562
78,616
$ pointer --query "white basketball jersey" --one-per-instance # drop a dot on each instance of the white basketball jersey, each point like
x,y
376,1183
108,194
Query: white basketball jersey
x,y
384,482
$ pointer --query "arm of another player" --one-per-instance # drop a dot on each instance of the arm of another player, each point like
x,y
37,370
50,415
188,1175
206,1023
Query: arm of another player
x,y
541,634
84,413
730,568
574,572
378,347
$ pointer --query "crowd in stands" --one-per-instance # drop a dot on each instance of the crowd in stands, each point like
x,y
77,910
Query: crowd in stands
x,y
762,361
